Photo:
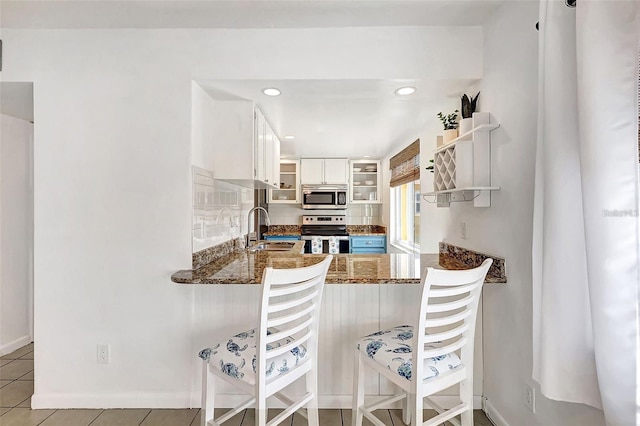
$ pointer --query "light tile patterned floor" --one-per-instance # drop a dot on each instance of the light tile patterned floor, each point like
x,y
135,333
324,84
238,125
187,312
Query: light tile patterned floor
x,y
16,388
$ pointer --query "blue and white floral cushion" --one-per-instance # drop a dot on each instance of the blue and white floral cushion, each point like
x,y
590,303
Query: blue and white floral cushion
x,y
236,356
392,348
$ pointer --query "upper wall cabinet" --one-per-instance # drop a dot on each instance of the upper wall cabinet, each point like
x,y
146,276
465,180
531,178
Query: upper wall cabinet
x,y
324,171
249,150
289,185
366,179
268,169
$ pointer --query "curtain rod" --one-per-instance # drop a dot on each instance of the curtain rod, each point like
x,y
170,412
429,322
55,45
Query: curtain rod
x,y
569,3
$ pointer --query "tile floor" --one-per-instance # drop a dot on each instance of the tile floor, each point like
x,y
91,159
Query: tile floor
x,y
16,388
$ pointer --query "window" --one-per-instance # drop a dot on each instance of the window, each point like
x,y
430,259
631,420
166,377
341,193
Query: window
x,y
405,198
405,216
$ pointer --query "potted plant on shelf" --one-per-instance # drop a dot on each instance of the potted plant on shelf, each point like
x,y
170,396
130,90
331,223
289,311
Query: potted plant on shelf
x,y
469,105
450,126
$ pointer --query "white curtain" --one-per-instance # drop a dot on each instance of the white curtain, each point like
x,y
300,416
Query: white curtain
x,y
586,244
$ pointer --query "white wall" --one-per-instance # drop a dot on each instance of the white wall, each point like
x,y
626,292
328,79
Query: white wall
x,y
509,92
16,233
113,186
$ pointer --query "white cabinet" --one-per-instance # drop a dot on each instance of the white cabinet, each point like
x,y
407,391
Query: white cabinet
x,y
462,168
366,180
248,151
324,171
311,170
289,184
271,157
336,170
260,125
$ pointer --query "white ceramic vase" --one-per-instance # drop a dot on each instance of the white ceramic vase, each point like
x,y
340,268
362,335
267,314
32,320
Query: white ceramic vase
x,y
466,124
449,135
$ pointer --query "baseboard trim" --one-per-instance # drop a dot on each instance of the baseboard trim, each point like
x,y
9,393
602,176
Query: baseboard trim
x,y
492,414
334,401
120,400
16,344
185,400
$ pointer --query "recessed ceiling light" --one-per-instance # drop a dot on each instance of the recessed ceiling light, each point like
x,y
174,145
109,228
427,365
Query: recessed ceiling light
x,y
366,156
271,91
289,137
405,91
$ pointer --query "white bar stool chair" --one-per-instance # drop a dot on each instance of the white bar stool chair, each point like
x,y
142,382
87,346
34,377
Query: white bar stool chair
x,y
283,348
444,325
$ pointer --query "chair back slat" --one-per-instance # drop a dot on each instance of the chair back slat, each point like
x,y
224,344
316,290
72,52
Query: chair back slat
x,y
289,304
447,315
447,277
445,335
432,323
273,337
288,346
435,352
289,312
283,319
451,290
283,290
450,306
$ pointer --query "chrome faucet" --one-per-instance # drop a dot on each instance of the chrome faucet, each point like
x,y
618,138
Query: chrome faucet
x,y
252,236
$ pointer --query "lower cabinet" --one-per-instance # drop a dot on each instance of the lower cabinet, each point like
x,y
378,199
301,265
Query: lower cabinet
x,y
368,244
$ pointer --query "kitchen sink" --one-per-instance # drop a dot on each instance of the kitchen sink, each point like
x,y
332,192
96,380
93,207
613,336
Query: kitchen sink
x,y
272,246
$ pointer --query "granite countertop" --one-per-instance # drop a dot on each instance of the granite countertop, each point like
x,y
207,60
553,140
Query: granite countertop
x,y
360,230
234,266
245,267
283,230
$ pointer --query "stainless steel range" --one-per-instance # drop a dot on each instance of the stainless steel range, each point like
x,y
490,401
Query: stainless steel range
x,y
325,234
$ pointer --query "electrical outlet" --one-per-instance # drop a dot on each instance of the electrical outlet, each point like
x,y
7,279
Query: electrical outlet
x,y
530,398
103,354
463,230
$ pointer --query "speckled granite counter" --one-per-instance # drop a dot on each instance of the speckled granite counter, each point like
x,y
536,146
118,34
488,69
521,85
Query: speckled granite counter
x,y
283,231
366,230
244,267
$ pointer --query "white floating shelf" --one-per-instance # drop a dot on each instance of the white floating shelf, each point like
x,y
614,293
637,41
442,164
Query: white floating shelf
x,y
480,195
471,188
469,135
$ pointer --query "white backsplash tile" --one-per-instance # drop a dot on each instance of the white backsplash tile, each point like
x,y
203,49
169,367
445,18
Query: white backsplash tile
x,y
218,209
356,214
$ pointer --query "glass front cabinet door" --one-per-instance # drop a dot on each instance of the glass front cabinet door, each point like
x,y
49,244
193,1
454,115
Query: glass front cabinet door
x,y
365,179
288,191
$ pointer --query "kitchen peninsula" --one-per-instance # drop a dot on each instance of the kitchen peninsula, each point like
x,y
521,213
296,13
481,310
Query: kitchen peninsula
x,y
364,293
246,266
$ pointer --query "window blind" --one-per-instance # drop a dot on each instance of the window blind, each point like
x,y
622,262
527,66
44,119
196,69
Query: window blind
x,y
405,166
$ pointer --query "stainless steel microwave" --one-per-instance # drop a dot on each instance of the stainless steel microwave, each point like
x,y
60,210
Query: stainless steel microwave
x,y
324,197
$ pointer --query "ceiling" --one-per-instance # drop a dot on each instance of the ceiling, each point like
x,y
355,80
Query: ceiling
x,y
339,118
342,118
241,13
